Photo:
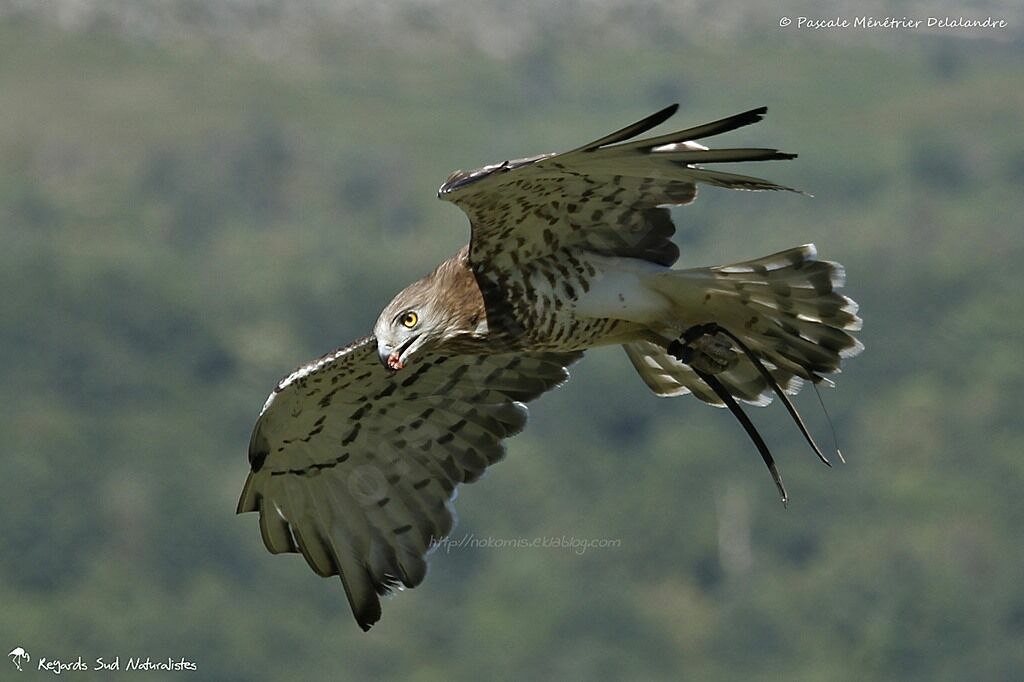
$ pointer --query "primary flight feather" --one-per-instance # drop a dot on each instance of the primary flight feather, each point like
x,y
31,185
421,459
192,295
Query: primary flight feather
x,y
356,456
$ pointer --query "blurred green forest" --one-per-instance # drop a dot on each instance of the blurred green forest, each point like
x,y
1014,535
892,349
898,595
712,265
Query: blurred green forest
x,y
183,222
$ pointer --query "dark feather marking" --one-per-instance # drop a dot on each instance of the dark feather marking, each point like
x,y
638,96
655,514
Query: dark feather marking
x,y
318,466
415,376
326,400
388,390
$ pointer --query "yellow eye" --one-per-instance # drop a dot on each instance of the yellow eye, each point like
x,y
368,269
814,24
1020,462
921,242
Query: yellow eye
x,y
410,319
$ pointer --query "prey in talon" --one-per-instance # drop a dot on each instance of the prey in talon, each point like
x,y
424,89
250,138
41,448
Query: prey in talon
x,y
707,348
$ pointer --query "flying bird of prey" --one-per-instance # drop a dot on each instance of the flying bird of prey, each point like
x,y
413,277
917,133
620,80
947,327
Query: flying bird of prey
x,y
356,456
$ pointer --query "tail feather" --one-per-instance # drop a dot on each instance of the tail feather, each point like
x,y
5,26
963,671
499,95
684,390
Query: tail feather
x,y
667,377
783,306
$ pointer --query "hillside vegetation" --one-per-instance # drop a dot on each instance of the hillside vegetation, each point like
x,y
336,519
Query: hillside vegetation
x,y
181,226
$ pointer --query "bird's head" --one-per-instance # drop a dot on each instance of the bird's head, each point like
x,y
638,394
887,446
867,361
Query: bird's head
x,y
409,325
438,308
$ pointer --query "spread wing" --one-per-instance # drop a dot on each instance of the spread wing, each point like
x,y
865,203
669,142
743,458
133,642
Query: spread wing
x,y
606,196
355,467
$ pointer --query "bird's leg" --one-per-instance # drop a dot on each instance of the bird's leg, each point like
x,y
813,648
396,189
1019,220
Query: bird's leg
x,y
706,358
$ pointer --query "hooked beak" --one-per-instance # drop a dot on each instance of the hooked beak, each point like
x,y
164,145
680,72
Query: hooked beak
x,y
389,358
393,359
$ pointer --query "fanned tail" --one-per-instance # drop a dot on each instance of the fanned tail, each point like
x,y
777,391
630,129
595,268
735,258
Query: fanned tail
x,y
783,307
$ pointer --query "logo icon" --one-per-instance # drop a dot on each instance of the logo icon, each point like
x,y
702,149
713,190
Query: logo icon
x,y
18,655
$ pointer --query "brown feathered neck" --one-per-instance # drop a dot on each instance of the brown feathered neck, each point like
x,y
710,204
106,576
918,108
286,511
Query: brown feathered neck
x,y
458,291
